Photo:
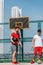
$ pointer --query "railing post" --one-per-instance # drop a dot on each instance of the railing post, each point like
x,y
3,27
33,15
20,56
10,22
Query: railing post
x,y
39,25
22,42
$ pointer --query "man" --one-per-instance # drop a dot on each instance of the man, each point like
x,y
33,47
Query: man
x,y
15,39
37,41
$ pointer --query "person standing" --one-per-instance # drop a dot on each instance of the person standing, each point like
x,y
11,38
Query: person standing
x,y
37,45
15,40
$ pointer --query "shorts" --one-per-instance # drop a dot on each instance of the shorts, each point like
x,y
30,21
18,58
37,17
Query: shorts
x,y
14,48
38,50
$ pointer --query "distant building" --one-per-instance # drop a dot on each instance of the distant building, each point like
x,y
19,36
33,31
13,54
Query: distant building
x,y
1,26
16,12
1,11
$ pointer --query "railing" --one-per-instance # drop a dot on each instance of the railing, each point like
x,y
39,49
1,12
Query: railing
x,y
8,40
26,57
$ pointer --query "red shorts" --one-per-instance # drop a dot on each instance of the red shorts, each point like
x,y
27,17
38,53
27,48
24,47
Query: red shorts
x,y
38,50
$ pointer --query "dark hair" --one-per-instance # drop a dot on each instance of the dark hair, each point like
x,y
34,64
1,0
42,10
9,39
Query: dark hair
x,y
17,27
39,30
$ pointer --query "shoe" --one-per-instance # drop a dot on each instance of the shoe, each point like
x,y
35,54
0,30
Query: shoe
x,y
15,62
32,62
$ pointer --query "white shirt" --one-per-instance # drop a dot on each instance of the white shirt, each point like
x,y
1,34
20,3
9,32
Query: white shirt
x,y
38,40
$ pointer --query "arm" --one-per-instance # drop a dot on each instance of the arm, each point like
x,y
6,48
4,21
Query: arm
x,y
42,40
12,40
20,43
19,40
33,40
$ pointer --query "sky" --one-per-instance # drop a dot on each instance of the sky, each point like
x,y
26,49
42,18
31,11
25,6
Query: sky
x,y
31,8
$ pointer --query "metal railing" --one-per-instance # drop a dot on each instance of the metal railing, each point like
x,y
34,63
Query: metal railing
x,y
26,57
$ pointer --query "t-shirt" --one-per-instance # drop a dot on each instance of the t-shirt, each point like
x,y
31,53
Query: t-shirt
x,y
15,35
38,40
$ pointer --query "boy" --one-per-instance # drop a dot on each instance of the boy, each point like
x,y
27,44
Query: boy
x,y
15,39
37,39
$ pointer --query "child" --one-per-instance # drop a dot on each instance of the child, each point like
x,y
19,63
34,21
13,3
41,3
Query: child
x,y
37,41
15,39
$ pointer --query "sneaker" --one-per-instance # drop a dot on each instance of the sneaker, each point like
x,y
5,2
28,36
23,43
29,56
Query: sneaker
x,y
32,62
15,62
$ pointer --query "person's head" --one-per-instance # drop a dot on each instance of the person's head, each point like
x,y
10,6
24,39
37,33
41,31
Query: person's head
x,y
39,32
17,29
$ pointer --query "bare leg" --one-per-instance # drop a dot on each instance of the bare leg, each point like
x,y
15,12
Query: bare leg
x,y
33,58
14,56
39,56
